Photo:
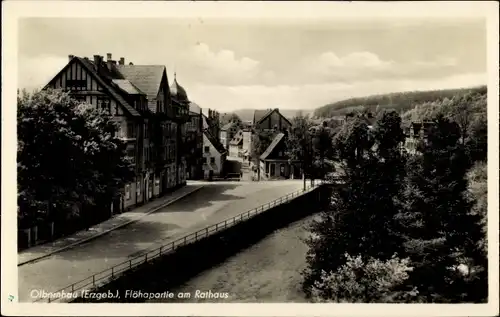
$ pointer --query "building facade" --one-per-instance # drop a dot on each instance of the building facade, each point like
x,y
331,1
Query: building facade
x,y
236,145
416,134
194,143
270,119
138,97
214,157
275,164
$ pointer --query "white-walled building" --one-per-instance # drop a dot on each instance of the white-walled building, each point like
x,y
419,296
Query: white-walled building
x,y
214,156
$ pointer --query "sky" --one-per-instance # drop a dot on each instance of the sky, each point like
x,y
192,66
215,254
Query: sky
x,y
228,64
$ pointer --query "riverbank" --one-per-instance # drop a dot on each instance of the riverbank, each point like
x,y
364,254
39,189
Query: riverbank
x,y
268,271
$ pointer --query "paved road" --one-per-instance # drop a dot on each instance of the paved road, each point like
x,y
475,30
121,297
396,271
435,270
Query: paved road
x,y
214,203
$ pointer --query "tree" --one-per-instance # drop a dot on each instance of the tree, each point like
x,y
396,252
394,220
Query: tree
x,y
361,217
440,232
462,113
67,155
322,151
365,281
298,143
477,178
229,117
477,140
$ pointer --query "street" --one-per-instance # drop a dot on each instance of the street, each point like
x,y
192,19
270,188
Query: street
x,y
214,203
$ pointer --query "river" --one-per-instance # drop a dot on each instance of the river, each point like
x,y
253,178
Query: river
x,y
268,271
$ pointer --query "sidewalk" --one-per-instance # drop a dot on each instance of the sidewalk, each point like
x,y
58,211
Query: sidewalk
x,y
120,220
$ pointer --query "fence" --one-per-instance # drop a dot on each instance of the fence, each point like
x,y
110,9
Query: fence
x,y
100,279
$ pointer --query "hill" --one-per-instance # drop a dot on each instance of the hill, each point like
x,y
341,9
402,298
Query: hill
x,y
247,114
401,101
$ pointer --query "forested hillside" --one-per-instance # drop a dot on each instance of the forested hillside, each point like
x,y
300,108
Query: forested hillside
x,y
401,101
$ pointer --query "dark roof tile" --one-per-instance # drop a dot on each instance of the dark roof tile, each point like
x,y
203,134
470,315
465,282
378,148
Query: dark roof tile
x,y
277,139
106,73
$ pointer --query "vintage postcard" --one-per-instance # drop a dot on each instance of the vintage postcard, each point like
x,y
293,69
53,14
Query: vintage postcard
x,y
250,158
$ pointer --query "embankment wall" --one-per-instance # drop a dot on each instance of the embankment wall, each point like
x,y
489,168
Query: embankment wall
x,y
171,270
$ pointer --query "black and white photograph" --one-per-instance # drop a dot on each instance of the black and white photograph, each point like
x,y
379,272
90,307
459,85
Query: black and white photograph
x,y
222,158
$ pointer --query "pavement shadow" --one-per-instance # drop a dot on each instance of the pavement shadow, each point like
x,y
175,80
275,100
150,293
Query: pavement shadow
x,y
204,198
133,239
171,271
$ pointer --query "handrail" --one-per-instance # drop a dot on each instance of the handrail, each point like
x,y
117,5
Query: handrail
x,y
120,268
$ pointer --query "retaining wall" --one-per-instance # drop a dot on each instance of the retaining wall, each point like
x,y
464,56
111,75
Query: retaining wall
x,y
170,270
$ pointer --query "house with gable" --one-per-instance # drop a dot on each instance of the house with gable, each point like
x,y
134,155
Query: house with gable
x,y
270,119
274,162
236,145
138,97
228,131
416,134
214,153
194,142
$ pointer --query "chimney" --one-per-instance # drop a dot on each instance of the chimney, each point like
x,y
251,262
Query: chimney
x,y
70,57
122,61
97,61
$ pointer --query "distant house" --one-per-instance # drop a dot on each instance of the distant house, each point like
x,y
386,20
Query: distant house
x,y
228,131
270,119
275,164
214,156
211,122
236,145
247,143
194,143
415,134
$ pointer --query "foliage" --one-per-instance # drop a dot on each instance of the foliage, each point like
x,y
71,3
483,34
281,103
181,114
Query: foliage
x,y
322,151
429,208
228,117
439,231
477,178
298,141
360,219
477,140
352,141
399,101
260,142
68,157
365,281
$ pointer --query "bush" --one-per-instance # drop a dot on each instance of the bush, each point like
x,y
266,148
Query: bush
x,y
371,281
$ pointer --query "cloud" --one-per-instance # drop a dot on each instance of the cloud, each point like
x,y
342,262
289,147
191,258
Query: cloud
x,y
222,66
36,72
364,65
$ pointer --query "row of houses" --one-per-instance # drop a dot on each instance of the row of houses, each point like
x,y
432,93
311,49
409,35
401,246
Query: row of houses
x,y
275,164
166,134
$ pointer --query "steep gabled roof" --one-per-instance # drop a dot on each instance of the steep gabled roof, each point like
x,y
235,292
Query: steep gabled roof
x,y
267,114
146,77
237,139
127,87
259,114
194,108
217,145
277,139
89,67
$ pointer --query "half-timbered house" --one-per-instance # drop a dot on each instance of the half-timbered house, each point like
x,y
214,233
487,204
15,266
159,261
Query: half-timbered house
x,y
138,97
